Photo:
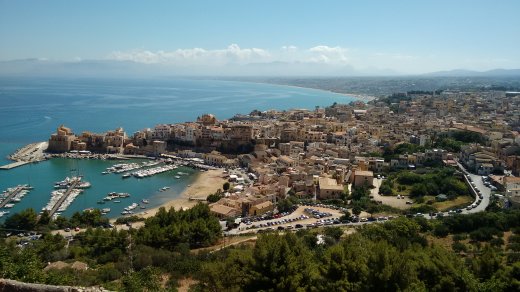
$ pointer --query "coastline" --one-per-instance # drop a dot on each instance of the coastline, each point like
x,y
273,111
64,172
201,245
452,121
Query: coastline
x,y
205,184
362,97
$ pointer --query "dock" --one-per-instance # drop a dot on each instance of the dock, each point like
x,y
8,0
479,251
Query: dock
x,y
64,197
13,165
10,196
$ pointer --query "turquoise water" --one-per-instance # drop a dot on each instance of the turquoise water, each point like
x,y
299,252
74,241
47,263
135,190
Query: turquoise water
x,y
32,108
43,175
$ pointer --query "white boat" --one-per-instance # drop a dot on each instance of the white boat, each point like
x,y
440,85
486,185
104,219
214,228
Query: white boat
x,y
145,201
177,177
7,206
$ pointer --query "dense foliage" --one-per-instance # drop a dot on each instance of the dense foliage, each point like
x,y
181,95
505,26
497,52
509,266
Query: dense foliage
x,y
167,229
390,257
399,255
438,181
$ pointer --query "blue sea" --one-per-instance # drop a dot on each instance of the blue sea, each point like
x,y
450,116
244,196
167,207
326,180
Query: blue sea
x,y
32,108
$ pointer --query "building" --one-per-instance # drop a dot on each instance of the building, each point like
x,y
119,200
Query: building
x,y
223,211
329,189
363,178
261,208
61,141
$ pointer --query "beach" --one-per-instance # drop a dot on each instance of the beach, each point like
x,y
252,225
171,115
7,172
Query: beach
x,y
206,183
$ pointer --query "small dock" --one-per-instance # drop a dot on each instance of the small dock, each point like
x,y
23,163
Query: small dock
x,y
64,197
13,165
11,195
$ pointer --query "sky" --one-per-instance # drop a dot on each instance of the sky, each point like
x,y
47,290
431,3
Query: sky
x,y
329,37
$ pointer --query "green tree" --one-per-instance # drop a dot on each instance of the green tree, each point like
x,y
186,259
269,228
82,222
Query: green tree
x,y
23,220
225,186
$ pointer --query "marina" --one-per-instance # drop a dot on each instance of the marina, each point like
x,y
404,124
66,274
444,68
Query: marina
x,y
13,195
62,198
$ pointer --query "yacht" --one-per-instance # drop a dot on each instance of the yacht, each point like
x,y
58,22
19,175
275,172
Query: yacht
x,y
145,201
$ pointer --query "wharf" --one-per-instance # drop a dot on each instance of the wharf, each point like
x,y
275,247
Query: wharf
x,y
64,197
10,196
13,165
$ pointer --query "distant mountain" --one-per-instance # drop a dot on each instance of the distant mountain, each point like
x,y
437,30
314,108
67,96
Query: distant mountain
x,y
470,73
115,68
109,68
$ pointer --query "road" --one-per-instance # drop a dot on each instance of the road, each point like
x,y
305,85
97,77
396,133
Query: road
x,y
479,185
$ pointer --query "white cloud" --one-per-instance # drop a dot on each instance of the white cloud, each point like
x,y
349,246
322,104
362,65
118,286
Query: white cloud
x,y
329,55
195,56
234,54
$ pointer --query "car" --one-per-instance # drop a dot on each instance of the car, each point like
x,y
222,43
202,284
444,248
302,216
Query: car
x,y
281,228
67,229
458,211
469,208
76,229
298,226
409,202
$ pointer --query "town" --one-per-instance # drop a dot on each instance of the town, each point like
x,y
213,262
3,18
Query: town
x,y
328,153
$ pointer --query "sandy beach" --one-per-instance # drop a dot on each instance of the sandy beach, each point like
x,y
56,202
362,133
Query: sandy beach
x,y
206,183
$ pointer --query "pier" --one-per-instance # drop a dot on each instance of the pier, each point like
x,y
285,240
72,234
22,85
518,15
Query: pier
x,y
72,186
13,165
11,195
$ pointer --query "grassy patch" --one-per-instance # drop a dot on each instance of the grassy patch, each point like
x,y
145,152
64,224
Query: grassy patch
x,y
458,202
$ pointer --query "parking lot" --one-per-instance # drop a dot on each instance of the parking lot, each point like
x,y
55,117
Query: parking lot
x,y
299,217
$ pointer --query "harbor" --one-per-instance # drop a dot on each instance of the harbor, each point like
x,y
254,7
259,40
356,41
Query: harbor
x,y
101,185
11,196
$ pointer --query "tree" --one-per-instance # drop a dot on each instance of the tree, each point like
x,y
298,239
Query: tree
x,y
25,220
226,186
333,232
356,210
386,190
285,205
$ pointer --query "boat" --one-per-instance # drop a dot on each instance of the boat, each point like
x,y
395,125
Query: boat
x,y
145,201
101,202
104,211
164,189
125,213
117,201
143,207
177,176
104,172
131,207
126,175
7,206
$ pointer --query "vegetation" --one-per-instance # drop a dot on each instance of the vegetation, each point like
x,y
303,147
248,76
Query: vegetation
x,y
391,257
400,255
419,186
